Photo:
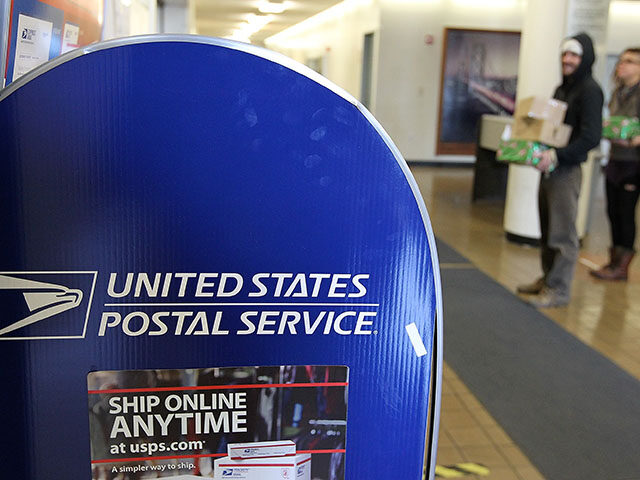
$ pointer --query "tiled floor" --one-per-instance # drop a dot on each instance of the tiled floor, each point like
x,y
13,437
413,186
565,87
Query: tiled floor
x,y
603,315
469,434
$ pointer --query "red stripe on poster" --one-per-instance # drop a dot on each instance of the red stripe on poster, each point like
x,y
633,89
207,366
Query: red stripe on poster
x,y
221,387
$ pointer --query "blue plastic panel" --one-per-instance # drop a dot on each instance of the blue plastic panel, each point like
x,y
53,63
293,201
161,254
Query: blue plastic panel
x,y
193,157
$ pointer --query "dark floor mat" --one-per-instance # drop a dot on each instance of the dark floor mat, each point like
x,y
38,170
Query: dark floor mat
x,y
446,254
574,413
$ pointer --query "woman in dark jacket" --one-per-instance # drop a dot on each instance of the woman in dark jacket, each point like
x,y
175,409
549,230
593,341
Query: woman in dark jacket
x,y
623,171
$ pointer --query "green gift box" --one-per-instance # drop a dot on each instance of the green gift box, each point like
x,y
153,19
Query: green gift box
x,y
620,128
520,151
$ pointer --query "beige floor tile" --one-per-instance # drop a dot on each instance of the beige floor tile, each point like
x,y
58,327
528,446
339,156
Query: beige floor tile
x,y
529,473
482,417
457,386
498,436
449,374
444,439
470,401
449,455
488,456
452,402
502,473
457,419
515,457
469,436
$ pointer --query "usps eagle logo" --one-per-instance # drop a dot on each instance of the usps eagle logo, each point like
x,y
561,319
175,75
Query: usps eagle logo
x,y
45,305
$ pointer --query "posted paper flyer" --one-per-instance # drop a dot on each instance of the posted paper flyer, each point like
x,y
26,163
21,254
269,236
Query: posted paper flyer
x,y
33,44
70,37
235,422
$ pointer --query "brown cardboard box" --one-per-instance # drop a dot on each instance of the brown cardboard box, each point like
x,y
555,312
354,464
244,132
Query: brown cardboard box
x,y
541,108
542,131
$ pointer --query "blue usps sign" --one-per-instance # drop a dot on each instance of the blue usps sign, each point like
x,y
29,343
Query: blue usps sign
x,y
206,244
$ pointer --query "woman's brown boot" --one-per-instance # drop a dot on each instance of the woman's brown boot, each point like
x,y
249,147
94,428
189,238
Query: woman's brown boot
x,y
605,272
618,269
621,270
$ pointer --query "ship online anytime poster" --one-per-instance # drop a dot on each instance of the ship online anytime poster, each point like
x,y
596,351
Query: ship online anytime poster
x,y
181,424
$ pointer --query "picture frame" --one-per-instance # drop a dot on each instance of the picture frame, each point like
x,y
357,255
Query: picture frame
x,y
478,76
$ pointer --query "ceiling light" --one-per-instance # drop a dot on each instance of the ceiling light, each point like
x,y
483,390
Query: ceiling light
x,y
488,4
272,7
326,16
625,9
253,24
238,36
258,20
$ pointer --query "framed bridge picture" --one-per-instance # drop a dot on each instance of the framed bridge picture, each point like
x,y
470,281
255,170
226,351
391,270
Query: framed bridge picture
x,y
478,76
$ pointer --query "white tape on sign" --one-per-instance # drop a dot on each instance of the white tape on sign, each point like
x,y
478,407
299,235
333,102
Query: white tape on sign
x,y
416,340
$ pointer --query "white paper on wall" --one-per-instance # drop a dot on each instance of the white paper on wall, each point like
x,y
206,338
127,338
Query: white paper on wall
x,y
70,37
33,44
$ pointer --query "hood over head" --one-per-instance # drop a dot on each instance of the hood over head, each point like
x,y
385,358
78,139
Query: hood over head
x,y
588,58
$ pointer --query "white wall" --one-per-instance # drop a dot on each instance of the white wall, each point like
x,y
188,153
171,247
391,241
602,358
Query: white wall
x,y
407,69
337,36
142,17
624,26
177,16
123,18
409,73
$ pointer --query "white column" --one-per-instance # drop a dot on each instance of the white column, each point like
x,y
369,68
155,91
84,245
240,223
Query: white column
x,y
538,74
546,24
591,16
176,16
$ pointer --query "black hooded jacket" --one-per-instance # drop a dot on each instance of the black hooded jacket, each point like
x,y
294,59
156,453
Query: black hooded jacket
x,y
584,98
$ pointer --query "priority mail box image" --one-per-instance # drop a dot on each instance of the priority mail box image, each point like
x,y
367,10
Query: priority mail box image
x,y
273,468
261,449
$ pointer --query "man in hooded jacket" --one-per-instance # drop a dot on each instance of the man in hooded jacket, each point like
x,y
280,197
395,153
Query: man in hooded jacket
x,y
562,175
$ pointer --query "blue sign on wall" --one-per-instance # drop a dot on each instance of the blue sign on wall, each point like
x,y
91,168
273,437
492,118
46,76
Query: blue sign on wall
x,y
206,244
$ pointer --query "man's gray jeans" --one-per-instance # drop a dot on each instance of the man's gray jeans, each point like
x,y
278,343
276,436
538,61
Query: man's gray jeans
x,y
558,207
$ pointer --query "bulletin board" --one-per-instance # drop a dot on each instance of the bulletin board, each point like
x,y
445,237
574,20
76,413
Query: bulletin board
x,y
41,30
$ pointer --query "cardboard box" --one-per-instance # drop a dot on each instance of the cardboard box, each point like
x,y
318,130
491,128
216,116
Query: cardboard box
x,y
542,131
272,468
541,108
261,449
620,128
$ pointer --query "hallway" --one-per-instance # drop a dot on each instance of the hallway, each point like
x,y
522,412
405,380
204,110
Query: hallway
x,y
602,315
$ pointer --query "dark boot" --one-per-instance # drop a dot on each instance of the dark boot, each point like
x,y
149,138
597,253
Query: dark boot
x,y
603,273
621,270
